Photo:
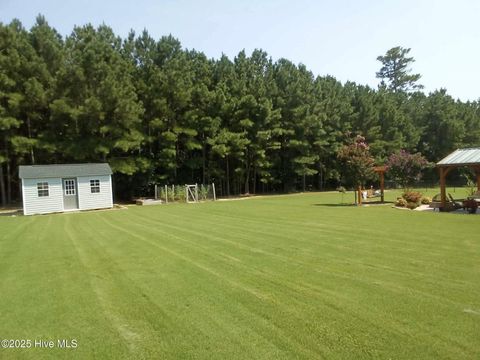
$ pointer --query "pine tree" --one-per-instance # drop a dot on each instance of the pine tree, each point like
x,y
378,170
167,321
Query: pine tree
x,y
96,115
395,71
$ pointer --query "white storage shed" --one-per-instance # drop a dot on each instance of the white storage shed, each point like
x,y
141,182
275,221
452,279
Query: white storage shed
x,y
65,187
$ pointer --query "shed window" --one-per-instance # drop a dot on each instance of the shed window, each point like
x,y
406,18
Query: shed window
x,y
94,186
42,188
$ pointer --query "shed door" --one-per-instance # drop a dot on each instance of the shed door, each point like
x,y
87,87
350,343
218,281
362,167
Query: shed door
x,y
70,197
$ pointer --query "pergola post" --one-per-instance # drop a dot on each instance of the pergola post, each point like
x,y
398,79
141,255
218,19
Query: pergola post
x,y
382,186
477,172
443,185
380,170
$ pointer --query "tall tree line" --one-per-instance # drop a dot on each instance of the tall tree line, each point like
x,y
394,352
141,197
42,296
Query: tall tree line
x,y
159,113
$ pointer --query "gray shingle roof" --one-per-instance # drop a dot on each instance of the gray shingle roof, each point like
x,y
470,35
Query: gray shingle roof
x,y
63,170
462,157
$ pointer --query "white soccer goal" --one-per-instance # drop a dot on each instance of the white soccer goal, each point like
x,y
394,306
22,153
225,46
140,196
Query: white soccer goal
x,y
196,193
191,193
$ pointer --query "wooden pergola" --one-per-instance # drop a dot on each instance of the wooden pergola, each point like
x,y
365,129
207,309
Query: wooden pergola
x,y
461,157
380,170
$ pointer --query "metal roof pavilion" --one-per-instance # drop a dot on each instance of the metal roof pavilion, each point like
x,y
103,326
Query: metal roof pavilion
x,y
470,156
461,157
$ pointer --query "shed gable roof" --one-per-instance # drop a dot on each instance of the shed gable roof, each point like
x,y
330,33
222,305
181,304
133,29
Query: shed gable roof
x,y
63,170
468,156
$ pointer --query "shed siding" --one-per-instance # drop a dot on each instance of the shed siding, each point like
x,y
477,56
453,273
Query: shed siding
x,y
42,205
87,200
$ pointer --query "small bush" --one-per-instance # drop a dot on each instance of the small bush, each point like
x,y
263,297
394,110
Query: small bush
x,y
401,202
170,193
412,196
426,200
180,193
412,205
202,192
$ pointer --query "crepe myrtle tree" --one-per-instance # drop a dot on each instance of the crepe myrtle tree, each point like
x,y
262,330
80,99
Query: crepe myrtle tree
x,y
356,161
406,168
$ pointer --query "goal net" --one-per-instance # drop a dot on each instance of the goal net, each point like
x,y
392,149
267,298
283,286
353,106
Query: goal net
x,y
195,193
190,193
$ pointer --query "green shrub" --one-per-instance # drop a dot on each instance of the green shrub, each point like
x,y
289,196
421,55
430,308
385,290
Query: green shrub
x,y
412,205
412,196
180,193
426,200
170,193
471,187
401,202
202,192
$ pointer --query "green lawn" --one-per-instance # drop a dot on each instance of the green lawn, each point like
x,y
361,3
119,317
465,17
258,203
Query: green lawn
x,y
296,276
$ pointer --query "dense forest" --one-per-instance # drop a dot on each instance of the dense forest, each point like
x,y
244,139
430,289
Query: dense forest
x,y
162,114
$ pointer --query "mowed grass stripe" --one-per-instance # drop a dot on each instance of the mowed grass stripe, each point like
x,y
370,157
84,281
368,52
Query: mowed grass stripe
x,y
129,317
323,239
15,228
357,223
415,273
327,235
167,226
372,265
106,312
49,299
166,328
198,265
312,255
451,233
306,310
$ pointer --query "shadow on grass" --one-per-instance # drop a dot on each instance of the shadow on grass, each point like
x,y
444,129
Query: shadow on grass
x,y
378,202
351,204
334,205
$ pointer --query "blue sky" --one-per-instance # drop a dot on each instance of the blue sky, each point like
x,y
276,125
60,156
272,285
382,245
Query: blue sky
x,y
341,38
